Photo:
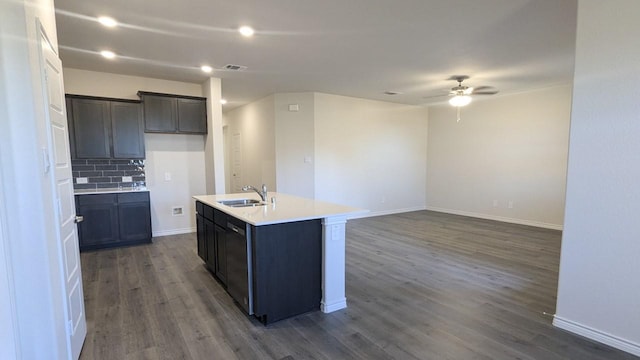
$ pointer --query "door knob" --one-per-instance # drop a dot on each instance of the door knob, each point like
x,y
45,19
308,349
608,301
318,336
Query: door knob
x,y
79,219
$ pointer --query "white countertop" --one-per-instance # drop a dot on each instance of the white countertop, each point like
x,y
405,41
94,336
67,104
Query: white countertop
x,y
108,190
287,208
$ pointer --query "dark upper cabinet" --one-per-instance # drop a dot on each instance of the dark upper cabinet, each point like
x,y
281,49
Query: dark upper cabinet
x,y
91,128
160,113
127,130
72,141
165,113
192,116
102,128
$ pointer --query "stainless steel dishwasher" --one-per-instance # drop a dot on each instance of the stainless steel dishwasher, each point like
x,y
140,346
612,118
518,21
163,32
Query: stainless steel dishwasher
x,y
239,274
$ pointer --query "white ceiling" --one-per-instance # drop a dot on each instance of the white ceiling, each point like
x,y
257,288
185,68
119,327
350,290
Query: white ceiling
x,y
357,48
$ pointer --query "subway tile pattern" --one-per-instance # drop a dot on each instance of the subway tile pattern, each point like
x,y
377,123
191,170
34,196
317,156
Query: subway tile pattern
x,y
107,173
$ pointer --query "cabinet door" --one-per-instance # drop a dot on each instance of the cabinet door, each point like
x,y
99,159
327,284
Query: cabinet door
x,y
160,113
91,128
221,254
210,233
202,239
128,131
134,220
134,216
100,225
192,116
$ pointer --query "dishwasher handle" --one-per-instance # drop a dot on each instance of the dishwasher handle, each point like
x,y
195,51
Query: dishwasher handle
x,y
235,229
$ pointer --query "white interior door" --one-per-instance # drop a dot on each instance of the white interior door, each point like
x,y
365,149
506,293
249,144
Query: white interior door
x,y
236,163
66,211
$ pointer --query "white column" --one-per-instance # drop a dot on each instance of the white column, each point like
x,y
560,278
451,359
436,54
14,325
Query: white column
x,y
214,151
333,264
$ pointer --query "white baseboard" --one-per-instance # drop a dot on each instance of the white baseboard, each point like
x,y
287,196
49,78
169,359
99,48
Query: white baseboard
x,y
386,212
334,306
597,335
497,218
174,232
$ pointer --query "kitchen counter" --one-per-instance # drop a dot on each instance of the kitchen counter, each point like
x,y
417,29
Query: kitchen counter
x,y
287,208
108,190
291,209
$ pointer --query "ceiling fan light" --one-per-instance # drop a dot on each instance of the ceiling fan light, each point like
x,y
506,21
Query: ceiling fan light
x,y
460,100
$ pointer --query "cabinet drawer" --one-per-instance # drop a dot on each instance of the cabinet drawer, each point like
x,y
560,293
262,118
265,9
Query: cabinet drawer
x,y
199,208
90,199
207,212
134,197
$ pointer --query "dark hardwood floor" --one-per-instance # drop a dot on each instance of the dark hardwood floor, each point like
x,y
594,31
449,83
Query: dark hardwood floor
x,y
420,285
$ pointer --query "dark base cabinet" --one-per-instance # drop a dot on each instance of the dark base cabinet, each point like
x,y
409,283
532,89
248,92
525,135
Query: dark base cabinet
x,y
112,220
212,240
287,269
280,278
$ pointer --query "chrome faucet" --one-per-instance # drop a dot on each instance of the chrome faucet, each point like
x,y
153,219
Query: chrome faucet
x,y
263,193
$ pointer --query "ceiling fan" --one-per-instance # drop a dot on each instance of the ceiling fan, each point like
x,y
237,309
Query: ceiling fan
x,y
461,94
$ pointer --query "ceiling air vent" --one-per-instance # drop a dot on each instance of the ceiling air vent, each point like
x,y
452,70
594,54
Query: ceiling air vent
x,y
233,67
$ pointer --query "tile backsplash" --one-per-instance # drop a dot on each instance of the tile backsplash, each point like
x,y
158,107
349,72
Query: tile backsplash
x,y
107,173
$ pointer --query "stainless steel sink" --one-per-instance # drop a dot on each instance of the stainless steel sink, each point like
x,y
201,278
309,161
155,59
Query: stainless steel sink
x,y
241,202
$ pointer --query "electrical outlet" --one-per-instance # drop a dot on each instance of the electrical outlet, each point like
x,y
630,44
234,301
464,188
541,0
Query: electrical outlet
x,y
510,204
127,179
167,176
82,180
177,211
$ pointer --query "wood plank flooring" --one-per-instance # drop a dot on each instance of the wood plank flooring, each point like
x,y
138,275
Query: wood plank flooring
x,y
420,285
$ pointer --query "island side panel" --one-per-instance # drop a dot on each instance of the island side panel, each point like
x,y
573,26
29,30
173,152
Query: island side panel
x,y
286,269
333,264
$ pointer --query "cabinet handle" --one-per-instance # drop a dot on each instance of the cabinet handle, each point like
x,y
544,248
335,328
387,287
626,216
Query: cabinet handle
x,y
79,219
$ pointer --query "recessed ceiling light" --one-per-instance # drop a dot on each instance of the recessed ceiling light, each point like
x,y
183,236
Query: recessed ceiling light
x,y
223,101
108,54
107,21
246,31
206,68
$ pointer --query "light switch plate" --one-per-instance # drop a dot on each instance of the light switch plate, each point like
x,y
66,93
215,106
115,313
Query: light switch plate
x,y
127,179
82,180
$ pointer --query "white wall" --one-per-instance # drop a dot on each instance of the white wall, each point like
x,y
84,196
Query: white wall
x,y
180,155
370,154
505,160
84,82
31,265
255,123
599,285
294,133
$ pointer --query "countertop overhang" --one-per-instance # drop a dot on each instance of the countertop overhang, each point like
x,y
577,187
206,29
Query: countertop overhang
x,y
286,208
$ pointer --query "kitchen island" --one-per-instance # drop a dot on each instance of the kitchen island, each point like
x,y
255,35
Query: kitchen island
x,y
295,251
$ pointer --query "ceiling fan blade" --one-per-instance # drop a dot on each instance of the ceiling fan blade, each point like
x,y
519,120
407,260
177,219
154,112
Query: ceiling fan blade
x,y
485,92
